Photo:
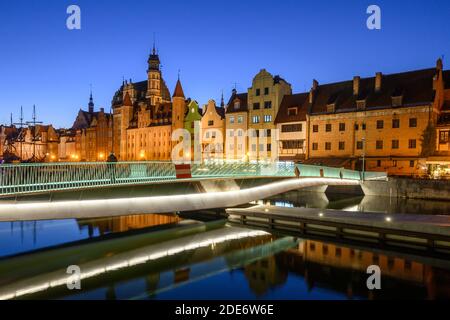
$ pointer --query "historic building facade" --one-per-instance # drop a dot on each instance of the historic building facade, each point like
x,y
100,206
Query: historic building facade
x,y
387,120
213,131
292,127
93,135
236,122
264,98
145,116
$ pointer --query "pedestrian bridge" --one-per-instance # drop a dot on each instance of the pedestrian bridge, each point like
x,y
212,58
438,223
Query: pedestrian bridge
x,y
23,179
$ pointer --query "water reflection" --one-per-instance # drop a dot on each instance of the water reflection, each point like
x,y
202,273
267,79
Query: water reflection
x,y
220,263
350,202
24,236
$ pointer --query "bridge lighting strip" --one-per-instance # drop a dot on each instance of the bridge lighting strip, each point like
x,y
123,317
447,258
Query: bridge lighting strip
x,y
156,204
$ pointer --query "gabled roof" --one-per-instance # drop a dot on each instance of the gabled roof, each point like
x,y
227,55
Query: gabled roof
x,y
415,86
299,101
178,92
242,98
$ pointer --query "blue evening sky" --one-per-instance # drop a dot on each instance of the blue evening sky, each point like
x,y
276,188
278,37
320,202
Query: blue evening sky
x,y
214,43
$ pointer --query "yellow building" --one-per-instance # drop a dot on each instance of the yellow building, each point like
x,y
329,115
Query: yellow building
x,y
264,98
213,131
384,120
236,122
145,116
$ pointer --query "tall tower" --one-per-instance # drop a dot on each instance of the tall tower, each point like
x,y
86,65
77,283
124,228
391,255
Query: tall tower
x,y
154,78
178,107
91,104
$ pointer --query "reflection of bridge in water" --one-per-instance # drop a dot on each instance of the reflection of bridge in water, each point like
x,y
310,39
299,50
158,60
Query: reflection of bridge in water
x,y
194,251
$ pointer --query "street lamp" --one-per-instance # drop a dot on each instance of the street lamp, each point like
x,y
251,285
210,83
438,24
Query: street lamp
x,y
364,158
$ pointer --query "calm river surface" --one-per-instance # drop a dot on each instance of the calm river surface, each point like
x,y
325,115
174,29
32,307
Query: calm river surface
x,y
168,257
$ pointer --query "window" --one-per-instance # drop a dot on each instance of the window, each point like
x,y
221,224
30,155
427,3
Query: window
x,y
210,122
443,137
267,104
359,145
256,106
395,123
356,126
315,128
380,124
255,119
394,163
341,145
328,127
292,111
266,91
395,144
237,104
411,164
239,133
291,127
315,146
240,119
258,92
327,145
363,126
269,147
267,118
292,144
341,126
253,147
231,120
378,163
413,122
412,143
379,144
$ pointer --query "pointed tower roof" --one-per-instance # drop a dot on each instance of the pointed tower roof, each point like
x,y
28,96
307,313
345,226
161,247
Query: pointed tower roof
x,y
127,100
178,90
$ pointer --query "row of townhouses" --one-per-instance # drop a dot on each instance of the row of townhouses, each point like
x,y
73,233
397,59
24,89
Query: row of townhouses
x,y
399,123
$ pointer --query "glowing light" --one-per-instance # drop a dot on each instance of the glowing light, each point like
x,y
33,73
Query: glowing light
x,y
320,214
388,219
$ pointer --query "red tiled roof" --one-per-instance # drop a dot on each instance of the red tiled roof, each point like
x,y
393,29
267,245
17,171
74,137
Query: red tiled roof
x,y
415,86
298,101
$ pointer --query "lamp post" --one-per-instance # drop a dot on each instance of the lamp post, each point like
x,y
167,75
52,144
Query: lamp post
x,y
364,158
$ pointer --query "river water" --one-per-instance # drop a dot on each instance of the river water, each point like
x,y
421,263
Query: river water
x,y
173,257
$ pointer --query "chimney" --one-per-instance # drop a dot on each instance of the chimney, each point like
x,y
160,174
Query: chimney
x,y
102,110
378,77
315,84
356,85
233,92
439,64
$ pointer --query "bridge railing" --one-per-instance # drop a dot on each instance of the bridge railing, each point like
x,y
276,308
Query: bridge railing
x,y
42,177
342,173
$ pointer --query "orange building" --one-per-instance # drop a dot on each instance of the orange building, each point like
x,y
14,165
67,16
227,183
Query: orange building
x,y
386,120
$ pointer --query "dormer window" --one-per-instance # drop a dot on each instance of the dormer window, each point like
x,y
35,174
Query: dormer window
x,y
237,104
292,111
397,101
331,107
361,104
